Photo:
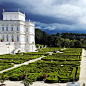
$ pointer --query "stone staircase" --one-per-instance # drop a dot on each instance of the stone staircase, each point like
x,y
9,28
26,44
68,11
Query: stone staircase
x,y
15,51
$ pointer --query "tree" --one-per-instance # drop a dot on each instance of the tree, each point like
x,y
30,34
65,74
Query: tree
x,y
71,44
27,82
58,43
77,44
38,36
50,40
60,40
45,38
57,34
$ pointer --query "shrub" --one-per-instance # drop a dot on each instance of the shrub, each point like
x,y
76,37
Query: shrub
x,y
54,51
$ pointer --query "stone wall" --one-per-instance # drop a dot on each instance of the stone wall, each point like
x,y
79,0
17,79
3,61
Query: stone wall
x,y
6,48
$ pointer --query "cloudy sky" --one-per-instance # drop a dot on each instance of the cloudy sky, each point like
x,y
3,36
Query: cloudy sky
x,y
51,16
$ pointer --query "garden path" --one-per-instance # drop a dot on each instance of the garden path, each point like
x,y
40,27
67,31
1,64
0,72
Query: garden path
x,y
50,53
82,77
25,63
37,83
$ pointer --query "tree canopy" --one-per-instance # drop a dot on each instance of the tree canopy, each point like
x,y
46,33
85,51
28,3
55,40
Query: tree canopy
x,y
60,40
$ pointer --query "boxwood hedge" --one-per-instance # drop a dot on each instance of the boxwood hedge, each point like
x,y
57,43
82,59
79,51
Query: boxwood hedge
x,y
59,68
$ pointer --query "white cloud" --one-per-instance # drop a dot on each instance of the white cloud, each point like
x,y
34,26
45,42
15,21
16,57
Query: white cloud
x,y
38,27
56,26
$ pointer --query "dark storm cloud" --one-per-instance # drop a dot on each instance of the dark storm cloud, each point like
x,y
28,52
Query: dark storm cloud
x,y
12,6
67,15
9,6
48,20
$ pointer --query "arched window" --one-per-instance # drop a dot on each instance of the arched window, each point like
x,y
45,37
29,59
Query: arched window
x,y
17,38
7,38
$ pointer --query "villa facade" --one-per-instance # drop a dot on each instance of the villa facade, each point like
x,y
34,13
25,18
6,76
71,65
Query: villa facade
x,y
16,32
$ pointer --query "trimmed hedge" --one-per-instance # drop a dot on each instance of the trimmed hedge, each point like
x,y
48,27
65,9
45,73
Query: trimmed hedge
x,y
58,68
50,49
18,59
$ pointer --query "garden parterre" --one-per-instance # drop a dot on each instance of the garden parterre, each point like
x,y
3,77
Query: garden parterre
x,y
59,68
72,50
5,65
8,61
17,59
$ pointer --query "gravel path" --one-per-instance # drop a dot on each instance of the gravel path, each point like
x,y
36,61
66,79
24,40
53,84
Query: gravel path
x,y
37,83
50,53
83,67
18,83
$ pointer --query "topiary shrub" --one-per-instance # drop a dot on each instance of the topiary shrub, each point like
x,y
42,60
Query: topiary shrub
x,y
37,45
54,51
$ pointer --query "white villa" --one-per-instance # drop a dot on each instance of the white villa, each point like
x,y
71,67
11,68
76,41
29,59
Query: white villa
x,y
16,34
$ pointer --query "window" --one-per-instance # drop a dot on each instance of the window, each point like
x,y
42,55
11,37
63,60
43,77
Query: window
x,y
11,28
7,38
3,37
6,28
2,28
17,28
17,38
12,38
26,29
27,39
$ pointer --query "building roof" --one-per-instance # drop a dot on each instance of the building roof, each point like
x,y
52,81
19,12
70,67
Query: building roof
x,y
14,13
